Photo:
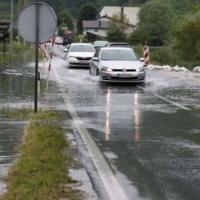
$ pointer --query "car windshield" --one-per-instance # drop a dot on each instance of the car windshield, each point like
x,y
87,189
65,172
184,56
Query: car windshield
x,y
100,43
118,45
118,54
81,48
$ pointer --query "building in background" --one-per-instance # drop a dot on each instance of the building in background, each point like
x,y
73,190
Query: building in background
x,y
97,29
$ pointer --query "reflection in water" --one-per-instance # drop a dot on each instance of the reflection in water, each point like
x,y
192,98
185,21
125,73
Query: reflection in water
x,y
16,86
107,126
137,119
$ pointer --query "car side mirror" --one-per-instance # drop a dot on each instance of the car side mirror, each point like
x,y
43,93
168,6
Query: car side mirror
x,y
95,59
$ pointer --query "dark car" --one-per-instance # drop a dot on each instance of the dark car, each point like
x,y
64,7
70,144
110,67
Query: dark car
x,y
117,44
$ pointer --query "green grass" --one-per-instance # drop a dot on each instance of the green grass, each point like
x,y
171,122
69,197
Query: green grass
x,y
19,114
18,50
166,56
41,172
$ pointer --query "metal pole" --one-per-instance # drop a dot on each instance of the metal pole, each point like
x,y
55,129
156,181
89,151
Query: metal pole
x,y
36,55
11,23
122,14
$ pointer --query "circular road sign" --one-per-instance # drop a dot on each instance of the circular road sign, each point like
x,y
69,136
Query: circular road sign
x,y
47,22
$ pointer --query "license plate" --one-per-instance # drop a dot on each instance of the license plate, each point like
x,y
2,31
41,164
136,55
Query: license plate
x,y
124,75
84,61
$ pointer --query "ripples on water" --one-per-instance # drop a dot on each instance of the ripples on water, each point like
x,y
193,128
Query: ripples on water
x,y
15,93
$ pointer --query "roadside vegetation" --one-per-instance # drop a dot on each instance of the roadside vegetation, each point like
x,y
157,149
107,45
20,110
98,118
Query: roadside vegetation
x,y
19,114
41,171
172,31
170,27
10,57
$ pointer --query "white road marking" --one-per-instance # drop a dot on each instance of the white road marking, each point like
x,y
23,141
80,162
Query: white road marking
x,y
113,188
165,99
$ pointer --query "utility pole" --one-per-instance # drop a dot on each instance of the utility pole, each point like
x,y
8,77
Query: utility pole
x,y
122,14
11,23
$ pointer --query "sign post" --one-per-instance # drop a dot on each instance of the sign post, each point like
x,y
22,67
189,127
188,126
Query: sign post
x,y
37,24
37,16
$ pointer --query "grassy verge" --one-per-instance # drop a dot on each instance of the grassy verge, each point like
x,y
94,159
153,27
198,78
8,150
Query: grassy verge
x,y
18,114
41,172
18,50
166,56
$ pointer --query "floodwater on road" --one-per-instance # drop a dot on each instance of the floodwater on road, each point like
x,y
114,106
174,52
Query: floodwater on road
x,y
149,135
15,84
16,93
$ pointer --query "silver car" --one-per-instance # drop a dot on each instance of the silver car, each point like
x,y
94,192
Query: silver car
x,y
80,54
118,64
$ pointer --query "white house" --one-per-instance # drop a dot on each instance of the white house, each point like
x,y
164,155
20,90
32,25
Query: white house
x,y
100,26
131,13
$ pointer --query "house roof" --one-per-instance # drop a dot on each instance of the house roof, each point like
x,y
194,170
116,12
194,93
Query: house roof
x,y
130,12
95,24
97,33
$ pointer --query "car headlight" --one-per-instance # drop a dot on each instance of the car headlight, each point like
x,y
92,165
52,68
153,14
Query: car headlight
x,y
107,69
73,58
141,68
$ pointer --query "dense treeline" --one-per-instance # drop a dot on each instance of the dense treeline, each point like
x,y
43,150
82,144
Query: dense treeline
x,y
74,6
171,23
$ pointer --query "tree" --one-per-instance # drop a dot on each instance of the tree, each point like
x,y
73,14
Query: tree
x,y
155,22
117,29
187,37
58,5
184,5
66,18
74,5
115,35
64,22
137,2
87,12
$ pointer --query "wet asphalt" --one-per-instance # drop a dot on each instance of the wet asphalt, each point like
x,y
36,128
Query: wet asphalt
x,y
149,134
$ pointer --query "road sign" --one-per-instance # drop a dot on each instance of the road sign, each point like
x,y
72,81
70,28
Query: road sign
x,y
47,22
37,23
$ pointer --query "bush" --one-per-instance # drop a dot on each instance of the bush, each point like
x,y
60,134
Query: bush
x,y
163,55
166,56
155,22
187,37
18,47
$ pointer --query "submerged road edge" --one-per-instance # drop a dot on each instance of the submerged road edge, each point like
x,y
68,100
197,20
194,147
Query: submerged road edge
x,y
113,188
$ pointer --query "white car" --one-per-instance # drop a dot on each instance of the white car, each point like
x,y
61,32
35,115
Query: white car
x,y
80,54
118,64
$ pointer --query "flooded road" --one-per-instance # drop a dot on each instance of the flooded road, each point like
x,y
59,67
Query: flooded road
x,y
150,136
16,93
15,87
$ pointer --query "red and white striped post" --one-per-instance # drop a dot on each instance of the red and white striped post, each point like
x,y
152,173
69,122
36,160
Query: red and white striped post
x,y
50,61
51,54
146,54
